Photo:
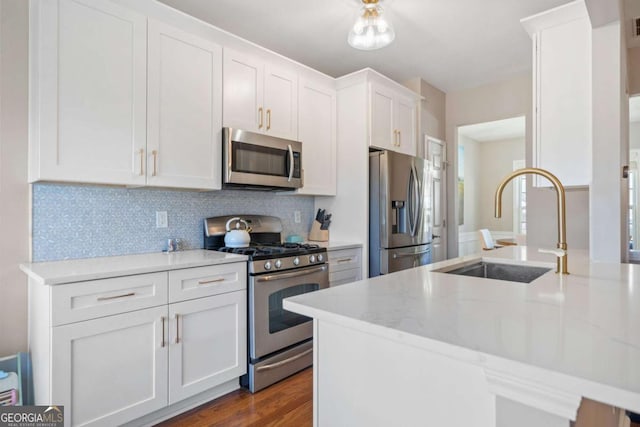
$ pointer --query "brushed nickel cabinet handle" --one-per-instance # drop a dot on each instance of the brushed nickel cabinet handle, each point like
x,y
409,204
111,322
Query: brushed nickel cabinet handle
x,y
177,328
204,282
129,294
395,137
260,123
162,319
344,260
399,138
142,162
268,119
155,162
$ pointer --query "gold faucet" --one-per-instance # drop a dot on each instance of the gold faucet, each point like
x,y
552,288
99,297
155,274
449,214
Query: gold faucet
x,y
561,266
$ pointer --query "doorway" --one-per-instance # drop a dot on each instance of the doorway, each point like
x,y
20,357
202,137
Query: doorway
x,y
486,153
436,151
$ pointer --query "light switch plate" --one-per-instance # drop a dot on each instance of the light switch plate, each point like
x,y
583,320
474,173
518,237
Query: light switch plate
x,y
162,220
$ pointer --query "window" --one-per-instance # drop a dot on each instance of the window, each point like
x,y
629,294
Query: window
x,y
519,200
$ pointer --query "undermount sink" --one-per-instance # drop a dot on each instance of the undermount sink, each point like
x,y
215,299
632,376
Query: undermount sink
x,y
508,272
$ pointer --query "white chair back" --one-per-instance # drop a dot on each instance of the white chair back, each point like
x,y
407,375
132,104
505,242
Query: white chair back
x,y
486,240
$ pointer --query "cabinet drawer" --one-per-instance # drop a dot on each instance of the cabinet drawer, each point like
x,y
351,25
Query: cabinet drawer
x,y
345,259
205,281
343,277
96,298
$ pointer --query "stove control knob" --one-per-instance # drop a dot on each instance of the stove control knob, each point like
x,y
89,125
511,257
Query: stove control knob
x,y
278,263
296,261
312,258
320,258
267,265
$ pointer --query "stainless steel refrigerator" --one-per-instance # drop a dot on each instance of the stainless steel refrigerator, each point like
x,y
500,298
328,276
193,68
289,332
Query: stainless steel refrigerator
x,y
399,212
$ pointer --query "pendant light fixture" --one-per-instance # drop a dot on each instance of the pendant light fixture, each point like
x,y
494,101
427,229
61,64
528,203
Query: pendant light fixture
x,y
371,30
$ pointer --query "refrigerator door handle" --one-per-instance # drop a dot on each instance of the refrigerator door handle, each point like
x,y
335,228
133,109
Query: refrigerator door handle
x,y
415,201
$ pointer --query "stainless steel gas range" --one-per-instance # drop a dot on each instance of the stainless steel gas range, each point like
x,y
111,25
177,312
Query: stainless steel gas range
x,y
280,342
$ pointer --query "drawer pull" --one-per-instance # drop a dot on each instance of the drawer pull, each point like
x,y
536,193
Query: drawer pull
x,y
204,282
163,332
130,294
340,261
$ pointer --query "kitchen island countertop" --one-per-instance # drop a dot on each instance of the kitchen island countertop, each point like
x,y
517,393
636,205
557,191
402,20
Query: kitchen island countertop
x,y
79,270
579,333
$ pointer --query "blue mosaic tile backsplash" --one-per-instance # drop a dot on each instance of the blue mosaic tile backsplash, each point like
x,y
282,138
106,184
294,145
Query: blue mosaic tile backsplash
x,y
78,221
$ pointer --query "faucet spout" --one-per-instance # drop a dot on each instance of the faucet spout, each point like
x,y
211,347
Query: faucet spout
x,y
561,204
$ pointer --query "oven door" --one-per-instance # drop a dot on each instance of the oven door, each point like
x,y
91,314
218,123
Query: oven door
x,y
271,327
252,159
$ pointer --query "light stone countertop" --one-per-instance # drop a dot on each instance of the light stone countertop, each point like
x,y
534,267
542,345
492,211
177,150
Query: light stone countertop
x,y
78,270
579,332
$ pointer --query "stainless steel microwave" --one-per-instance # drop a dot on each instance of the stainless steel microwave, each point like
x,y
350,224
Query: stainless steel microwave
x,y
262,162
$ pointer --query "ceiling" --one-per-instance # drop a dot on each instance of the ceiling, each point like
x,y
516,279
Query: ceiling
x,y
452,44
495,131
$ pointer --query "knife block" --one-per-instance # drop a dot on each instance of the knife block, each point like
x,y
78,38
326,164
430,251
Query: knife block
x,y
317,235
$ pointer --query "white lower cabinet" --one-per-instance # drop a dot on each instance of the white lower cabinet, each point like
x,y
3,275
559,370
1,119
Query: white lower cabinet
x,y
110,370
114,350
345,266
206,345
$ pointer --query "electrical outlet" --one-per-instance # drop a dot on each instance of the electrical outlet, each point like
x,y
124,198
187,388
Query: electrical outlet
x,y
162,220
296,217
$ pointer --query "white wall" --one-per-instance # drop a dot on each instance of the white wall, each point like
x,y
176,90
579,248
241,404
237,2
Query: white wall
x,y
472,179
633,64
634,135
609,195
496,158
432,109
14,190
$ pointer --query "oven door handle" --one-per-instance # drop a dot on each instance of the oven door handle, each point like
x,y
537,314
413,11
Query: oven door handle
x,y
281,276
284,362
290,163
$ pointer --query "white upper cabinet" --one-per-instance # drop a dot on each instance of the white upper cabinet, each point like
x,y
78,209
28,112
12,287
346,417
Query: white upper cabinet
x,y
259,97
562,93
393,119
317,131
184,117
407,125
88,92
383,131
115,102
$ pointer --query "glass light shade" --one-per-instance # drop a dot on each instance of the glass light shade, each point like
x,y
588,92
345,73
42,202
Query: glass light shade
x,y
371,30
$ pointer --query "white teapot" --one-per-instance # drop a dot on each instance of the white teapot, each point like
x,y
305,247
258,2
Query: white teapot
x,y
237,237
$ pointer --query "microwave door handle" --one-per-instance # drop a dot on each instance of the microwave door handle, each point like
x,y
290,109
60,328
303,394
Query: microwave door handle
x,y
290,163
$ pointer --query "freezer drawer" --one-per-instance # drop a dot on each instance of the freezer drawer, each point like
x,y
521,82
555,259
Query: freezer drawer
x,y
392,260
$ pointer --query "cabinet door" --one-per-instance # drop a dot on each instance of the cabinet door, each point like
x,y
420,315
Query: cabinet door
x,y
406,125
243,88
184,121
317,131
281,102
88,92
111,370
208,343
382,118
337,278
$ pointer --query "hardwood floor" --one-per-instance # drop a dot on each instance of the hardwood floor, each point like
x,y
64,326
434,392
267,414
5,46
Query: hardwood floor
x,y
287,403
